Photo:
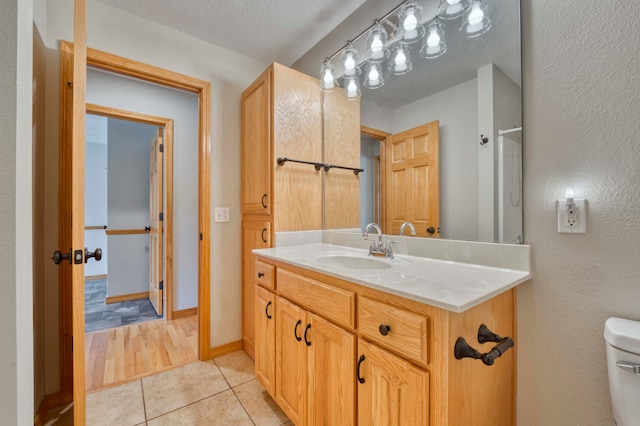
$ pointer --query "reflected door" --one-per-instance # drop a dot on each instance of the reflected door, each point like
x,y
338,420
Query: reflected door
x,y
412,180
155,223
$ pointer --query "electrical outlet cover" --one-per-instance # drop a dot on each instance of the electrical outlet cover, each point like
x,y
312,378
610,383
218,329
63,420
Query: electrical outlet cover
x,y
564,222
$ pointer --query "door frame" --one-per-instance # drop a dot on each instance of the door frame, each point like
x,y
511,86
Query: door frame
x,y
382,137
167,192
131,68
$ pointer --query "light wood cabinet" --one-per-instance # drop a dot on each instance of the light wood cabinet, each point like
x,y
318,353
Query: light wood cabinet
x,y
392,391
281,117
255,234
335,364
265,348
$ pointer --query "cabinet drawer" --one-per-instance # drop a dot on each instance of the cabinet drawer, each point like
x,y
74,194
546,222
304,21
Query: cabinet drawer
x,y
397,329
333,303
264,275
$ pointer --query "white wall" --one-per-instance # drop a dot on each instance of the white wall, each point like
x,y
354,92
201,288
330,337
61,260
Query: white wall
x,y
16,291
128,208
581,127
369,149
229,73
95,205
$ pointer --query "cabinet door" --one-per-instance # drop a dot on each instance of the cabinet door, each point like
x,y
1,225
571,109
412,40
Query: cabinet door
x,y
265,350
291,360
255,235
394,392
256,147
331,361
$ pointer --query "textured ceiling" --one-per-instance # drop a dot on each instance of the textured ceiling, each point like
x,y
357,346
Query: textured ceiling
x,y
265,30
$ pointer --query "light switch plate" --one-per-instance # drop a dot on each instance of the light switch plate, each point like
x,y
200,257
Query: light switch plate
x,y
221,214
579,220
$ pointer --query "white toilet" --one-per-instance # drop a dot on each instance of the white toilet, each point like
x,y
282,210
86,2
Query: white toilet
x,y
623,361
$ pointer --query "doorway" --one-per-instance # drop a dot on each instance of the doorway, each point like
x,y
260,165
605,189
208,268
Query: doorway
x,y
126,158
72,339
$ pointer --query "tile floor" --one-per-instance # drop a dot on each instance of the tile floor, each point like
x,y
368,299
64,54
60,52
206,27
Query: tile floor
x,y
223,391
100,316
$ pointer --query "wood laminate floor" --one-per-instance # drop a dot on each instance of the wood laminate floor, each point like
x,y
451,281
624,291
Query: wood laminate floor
x,y
121,354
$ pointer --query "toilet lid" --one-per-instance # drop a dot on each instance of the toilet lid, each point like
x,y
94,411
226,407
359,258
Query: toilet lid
x,y
623,334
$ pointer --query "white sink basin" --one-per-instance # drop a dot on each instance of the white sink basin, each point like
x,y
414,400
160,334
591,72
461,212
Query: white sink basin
x,y
353,262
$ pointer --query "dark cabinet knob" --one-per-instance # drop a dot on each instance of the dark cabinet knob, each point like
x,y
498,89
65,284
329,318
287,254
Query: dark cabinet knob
x,y
260,274
431,230
384,329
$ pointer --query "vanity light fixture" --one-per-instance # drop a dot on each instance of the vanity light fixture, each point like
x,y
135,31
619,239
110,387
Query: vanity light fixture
x,y
350,60
352,87
327,75
373,76
433,45
452,9
410,16
389,41
400,60
476,19
376,43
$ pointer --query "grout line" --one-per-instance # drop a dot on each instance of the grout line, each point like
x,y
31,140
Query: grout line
x,y
191,403
242,405
144,403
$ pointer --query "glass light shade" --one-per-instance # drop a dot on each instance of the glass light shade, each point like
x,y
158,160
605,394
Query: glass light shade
x,y
350,61
373,76
400,62
476,19
433,45
352,87
376,43
327,75
410,15
452,9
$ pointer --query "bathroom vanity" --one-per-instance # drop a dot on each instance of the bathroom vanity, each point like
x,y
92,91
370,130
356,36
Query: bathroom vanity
x,y
347,338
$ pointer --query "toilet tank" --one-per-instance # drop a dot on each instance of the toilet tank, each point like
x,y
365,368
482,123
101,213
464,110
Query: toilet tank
x,y
623,362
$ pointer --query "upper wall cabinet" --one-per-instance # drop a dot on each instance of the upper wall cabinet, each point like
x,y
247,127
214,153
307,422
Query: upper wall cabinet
x,y
282,117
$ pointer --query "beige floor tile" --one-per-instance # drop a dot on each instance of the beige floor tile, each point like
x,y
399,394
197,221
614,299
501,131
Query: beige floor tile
x,y
60,416
237,368
262,409
119,405
222,409
176,388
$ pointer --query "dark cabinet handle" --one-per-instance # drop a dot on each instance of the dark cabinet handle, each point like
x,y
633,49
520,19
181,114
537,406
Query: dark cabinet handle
x,y
260,274
360,379
266,310
306,330
384,329
264,239
431,230
295,330
264,200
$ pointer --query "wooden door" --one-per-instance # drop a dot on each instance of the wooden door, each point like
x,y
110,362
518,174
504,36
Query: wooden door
x,y
73,58
155,224
255,235
413,180
256,147
332,374
394,392
291,360
265,354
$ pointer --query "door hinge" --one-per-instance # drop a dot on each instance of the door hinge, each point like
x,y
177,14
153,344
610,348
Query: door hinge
x,y
161,285
161,147
201,236
161,217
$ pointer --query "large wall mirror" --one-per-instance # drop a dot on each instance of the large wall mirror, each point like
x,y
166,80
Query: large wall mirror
x,y
441,143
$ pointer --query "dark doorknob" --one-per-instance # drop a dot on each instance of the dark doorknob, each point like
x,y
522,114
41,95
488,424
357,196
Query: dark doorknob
x,y
58,257
431,230
96,255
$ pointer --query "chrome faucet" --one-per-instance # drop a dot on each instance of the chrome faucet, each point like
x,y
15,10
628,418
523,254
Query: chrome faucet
x,y
411,228
379,247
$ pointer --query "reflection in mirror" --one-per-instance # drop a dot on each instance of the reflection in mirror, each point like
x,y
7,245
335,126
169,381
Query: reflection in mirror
x,y
419,122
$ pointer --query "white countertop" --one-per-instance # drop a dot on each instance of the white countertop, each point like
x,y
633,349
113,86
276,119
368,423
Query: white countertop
x,y
449,285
